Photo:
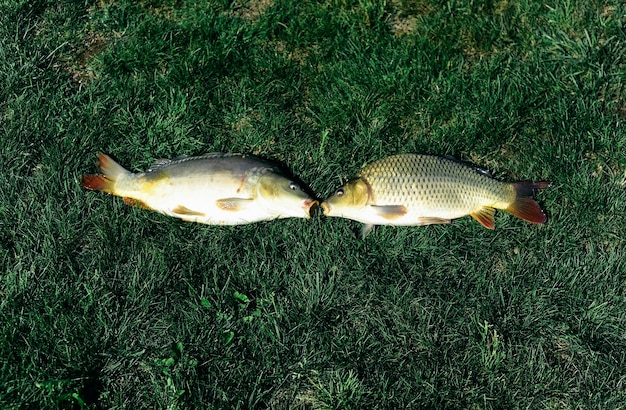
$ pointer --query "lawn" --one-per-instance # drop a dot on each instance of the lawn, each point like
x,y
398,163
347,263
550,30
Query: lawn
x,y
106,306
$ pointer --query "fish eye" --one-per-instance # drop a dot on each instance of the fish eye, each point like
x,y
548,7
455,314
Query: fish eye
x,y
339,192
293,186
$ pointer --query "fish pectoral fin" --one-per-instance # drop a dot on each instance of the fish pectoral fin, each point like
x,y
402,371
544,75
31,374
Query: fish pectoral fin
x,y
183,210
431,220
390,212
485,217
233,204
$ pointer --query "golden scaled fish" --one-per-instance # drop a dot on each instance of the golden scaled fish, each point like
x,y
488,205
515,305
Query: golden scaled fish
x,y
414,189
215,188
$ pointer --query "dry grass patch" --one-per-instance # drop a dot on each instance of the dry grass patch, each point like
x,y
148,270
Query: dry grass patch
x,y
79,66
251,10
405,16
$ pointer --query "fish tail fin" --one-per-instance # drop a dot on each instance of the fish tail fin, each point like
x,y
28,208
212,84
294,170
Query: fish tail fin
x,y
524,206
105,181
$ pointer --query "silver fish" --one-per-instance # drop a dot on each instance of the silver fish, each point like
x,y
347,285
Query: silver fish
x,y
214,189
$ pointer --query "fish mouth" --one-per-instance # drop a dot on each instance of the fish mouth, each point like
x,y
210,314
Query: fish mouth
x,y
325,207
310,207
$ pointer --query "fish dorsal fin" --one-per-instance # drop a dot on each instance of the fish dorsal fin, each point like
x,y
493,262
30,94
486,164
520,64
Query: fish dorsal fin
x,y
210,155
159,163
485,217
179,158
481,171
162,163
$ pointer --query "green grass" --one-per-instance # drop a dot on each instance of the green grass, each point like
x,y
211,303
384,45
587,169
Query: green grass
x,y
108,306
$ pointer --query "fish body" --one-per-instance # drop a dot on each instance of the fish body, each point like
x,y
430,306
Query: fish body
x,y
215,188
415,189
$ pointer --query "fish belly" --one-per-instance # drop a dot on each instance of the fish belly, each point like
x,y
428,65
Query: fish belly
x,y
219,199
447,206
437,199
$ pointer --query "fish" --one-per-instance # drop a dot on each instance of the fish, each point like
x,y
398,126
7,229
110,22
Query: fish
x,y
213,189
422,189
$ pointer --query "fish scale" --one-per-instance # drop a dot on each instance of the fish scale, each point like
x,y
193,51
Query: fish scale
x,y
419,181
421,189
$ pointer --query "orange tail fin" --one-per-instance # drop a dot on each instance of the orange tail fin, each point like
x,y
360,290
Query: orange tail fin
x,y
97,183
110,171
525,207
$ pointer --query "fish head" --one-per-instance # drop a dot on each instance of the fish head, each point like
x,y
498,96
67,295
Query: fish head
x,y
348,201
283,197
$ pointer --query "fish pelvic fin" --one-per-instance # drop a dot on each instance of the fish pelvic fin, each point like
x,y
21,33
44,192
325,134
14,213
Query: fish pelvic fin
x,y
184,211
110,171
524,206
365,230
485,217
390,212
